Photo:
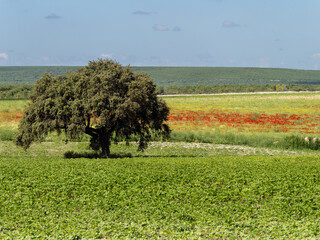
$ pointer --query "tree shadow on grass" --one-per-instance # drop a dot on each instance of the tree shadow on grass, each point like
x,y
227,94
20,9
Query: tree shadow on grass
x,y
93,155
169,156
72,154
97,155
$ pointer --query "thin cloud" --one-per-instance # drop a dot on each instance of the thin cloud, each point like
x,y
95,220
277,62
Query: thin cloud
x,y
176,29
53,16
161,28
140,12
230,24
316,56
4,56
106,55
45,58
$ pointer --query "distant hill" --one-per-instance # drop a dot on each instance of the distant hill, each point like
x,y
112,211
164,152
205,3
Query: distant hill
x,y
181,76
28,75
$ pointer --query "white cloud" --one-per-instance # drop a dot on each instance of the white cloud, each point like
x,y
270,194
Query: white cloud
x,y
4,56
140,12
316,56
229,24
159,27
53,16
106,55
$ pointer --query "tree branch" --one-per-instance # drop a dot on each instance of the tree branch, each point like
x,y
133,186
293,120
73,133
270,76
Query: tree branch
x,y
91,131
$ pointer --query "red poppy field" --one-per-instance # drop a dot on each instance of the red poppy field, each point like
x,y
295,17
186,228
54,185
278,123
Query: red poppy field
x,y
247,122
286,113
11,112
12,116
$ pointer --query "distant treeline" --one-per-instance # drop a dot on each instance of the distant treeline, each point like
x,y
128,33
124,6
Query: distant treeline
x,y
203,89
15,91
24,91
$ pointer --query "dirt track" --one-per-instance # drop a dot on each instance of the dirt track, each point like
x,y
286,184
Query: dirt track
x,y
241,93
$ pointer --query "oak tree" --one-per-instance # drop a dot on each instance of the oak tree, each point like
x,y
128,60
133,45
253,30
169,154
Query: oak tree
x,y
103,99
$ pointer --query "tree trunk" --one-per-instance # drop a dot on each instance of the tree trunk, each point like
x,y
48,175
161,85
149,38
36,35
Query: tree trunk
x,y
102,137
105,145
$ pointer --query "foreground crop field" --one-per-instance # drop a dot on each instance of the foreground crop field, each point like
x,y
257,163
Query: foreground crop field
x,y
47,197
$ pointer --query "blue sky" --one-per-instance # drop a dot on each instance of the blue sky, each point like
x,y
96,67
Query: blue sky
x,y
229,33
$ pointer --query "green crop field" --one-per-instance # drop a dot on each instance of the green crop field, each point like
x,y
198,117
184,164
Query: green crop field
x,y
181,76
44,196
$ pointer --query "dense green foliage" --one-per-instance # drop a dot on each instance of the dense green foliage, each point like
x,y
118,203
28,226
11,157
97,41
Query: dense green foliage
x,y
172,198
181,76
103,100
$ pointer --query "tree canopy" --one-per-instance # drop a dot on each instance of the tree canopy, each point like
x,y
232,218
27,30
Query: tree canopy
x,y
103,99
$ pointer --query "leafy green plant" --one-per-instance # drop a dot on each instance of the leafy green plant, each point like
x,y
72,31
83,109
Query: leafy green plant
x,y
156,197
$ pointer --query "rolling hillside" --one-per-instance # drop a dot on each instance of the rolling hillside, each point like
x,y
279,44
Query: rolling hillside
x,y
181,76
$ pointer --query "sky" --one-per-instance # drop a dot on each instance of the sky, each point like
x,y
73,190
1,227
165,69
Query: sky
x,y
227,33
